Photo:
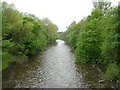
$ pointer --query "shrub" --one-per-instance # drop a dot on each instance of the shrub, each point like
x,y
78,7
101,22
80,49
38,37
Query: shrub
x,y
112,71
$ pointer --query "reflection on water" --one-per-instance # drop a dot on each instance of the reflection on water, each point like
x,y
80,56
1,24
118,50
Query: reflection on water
x,y
55,68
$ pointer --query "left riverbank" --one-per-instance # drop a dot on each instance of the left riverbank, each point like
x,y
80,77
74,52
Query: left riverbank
x,y
23,35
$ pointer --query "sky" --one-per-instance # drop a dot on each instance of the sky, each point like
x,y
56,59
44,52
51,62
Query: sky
x,y
60,12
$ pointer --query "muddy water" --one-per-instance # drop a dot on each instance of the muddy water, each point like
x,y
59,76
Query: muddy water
x,y
55,68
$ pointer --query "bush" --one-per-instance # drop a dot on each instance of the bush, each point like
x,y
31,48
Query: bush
x,y
6,59
112,71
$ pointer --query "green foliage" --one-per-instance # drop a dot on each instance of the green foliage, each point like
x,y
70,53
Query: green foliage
x,y
51,29
73,32
11,19
24,34
7,43
112,71
8,58
110,43
89,41
96,38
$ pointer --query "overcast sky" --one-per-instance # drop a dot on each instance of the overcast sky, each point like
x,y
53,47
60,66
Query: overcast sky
x,y
60,12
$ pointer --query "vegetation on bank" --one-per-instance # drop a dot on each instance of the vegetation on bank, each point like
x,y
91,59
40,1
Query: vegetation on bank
x,y
96,38
23,34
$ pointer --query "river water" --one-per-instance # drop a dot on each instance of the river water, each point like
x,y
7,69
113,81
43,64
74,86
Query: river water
x,y
56,68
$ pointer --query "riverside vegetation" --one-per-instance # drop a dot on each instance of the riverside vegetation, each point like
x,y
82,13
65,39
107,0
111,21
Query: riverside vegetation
x,y
23,35
96,38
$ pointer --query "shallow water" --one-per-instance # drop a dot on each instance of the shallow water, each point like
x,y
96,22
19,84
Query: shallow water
x,y
56,68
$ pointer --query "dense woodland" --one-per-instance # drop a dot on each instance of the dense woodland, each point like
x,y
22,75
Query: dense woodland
x,y
96,38
23,35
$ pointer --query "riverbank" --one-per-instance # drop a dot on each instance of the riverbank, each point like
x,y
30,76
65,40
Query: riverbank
x,y
9,59
22,64
56,68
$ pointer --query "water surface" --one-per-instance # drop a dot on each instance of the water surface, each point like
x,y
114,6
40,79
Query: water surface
x,y
56,68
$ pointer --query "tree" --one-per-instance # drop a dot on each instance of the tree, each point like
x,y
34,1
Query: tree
x,y
102,5
110,37
73,32
51,29
23,34
89,40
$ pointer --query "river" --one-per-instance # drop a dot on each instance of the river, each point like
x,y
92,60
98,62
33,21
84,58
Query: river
x,y
56,68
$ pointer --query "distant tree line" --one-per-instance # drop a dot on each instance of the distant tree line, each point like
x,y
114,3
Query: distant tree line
x,y
23,34
96,38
